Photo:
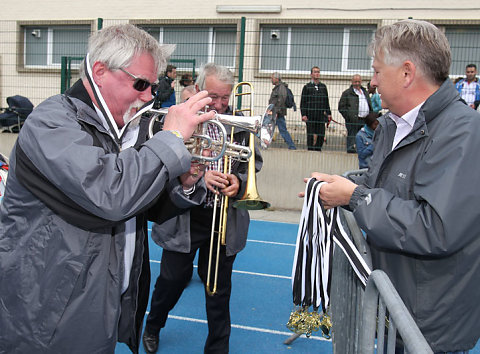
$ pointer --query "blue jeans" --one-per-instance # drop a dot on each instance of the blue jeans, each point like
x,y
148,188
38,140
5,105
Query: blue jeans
x,y
282,128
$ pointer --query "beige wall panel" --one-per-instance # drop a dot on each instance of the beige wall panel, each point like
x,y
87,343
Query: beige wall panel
x,y
281,178
60,9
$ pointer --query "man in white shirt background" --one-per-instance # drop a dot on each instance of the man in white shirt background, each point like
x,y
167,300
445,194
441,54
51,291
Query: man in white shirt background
x,y
469,87
354,106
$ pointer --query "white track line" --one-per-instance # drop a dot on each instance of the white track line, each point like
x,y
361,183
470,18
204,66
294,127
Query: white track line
x,y
247,328
266,242
245,272
273,243
263,274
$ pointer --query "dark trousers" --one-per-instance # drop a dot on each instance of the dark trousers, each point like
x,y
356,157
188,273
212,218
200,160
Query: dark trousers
x,y
315,128
175,273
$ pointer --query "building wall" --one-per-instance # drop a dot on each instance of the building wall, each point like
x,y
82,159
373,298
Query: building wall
x,y
38,85
389,10
283,170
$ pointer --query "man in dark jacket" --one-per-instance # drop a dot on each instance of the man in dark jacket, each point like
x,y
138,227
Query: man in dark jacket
x,y
277,98
73,238
166,87
186,234
354,106
315,108
419,203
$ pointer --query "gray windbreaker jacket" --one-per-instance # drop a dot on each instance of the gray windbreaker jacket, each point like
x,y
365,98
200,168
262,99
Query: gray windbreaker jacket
x,y
421,206
68,194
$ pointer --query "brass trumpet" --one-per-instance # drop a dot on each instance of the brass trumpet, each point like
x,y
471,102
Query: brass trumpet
x,y
260,126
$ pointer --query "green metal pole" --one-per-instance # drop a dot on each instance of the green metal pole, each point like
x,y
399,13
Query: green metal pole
x,y
63,75
99,23
241,59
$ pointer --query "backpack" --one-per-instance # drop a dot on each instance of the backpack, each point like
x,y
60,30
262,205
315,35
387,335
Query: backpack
x,y
290,100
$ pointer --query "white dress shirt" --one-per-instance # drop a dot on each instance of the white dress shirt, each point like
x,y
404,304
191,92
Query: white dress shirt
x,y
363,108
404,124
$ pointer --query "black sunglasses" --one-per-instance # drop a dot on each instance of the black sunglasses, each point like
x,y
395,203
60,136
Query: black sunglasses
x,y
139,84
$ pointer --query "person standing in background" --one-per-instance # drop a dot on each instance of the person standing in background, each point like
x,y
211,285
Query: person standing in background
x,y
186,80
354,106
469,87
315,109
375,99
166,87
364,140
277,98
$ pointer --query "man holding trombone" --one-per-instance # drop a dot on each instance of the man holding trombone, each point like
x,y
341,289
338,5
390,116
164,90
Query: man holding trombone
x,y
182,235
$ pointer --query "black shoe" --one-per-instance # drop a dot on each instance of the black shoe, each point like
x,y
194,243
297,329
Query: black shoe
x,y
150,342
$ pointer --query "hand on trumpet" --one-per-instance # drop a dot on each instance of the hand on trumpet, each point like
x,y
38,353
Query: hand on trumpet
x,y
227,183
197,170
184,117
336,192
191,177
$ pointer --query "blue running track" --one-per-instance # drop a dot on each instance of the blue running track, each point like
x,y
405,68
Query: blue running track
x,y
261,300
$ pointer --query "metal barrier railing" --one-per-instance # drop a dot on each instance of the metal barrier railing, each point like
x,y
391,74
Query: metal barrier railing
x,y
347,292
354,329
382,300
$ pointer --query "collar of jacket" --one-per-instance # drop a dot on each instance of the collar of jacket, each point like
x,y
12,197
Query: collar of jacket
x,y
361,88
314,84
432,107
438,101
79,92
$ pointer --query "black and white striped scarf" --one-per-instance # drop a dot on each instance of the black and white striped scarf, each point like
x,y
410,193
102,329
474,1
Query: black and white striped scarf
x,y
318,230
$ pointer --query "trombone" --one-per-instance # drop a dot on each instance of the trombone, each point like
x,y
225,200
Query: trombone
x,y
250,199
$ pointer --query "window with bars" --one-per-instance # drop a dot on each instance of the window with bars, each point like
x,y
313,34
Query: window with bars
x,y
334,48
464,43
44,46
202,43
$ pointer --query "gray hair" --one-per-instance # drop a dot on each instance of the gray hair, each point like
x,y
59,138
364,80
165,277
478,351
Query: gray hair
x,y
222,73
117,45
277,76
418,41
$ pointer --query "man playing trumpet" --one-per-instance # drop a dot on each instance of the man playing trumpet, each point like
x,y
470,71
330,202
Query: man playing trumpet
x,y
182,235
73,238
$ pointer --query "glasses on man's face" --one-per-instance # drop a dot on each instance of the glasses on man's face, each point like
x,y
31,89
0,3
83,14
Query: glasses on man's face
x,y
221,98
139,84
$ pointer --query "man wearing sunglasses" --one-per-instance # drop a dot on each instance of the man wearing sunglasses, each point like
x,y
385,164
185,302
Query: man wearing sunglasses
x,y
73,239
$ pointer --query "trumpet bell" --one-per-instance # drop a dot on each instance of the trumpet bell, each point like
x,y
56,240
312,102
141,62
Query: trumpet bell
x,y
260,126
252,202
